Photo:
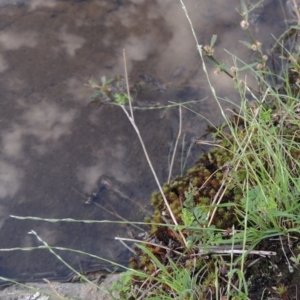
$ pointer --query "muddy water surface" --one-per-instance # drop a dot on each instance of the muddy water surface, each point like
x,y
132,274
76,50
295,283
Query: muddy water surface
x,y
56,150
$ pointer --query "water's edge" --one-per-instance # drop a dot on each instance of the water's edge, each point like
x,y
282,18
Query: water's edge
x,y
59,290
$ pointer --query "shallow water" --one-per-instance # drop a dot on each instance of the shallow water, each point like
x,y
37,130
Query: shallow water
x,y
57,150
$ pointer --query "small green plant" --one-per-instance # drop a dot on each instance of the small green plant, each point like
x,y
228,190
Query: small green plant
x,y
296,259
282,291
121,99
123,285
109,91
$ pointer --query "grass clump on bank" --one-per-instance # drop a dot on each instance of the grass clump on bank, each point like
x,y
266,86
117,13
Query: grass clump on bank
x,y
230,228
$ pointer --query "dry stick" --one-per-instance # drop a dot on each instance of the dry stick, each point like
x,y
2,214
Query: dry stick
x,y
287,260
215,209
208,179
127,84
131,119
176,144
233,251
207,250
53,288
127,247
210,143
216,197
147,243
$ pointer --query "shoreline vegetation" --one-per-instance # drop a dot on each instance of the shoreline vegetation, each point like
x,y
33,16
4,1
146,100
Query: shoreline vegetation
x,y
229,228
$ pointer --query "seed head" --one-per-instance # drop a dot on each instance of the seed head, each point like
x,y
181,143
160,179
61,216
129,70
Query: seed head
x,y
244,24
259,66
254,47
217,71
209,50
233,69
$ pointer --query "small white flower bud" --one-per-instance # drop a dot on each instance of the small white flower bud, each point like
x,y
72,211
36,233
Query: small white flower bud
x,y
244,24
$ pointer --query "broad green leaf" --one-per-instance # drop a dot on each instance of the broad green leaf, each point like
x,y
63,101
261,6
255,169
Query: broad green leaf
x,y
103,80
246,44
213,40
92,82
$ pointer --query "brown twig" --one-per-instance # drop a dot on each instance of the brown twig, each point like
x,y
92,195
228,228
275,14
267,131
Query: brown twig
x,y
148,243
53,288
237,249
217,195
176,143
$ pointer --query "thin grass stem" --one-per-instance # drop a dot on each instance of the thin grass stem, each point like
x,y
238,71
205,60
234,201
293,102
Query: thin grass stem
x,y
176,144
132,121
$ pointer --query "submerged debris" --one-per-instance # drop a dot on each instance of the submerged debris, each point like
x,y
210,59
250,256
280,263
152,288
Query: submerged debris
x,y
151,80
